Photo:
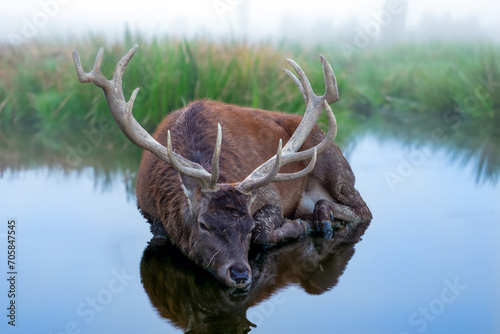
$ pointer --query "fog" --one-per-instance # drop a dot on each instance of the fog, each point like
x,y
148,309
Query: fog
x,y
312,20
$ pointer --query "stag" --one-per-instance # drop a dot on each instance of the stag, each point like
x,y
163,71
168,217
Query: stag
x,y
193,300
215,195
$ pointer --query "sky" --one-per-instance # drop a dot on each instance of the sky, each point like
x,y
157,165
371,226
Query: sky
x,y
256,19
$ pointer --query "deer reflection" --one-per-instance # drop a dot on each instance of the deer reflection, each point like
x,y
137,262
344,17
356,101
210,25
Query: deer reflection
x,y
194,301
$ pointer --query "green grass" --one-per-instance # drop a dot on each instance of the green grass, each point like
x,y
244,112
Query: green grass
x,y
38,84
402,91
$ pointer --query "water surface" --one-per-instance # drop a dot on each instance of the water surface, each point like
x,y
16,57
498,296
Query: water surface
x,y
428,262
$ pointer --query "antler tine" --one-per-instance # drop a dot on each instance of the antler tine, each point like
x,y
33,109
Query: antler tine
x,y
331,90
281,177
315,105
200,175
275,176
122,113
305,85
215,158
327,141
122,64
95,76
298,83
260,181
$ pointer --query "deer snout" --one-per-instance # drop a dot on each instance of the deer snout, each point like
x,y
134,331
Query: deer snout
x,y
240,275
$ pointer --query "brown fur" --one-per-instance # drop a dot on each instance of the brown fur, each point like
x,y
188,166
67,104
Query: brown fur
x,y
194,301
249,138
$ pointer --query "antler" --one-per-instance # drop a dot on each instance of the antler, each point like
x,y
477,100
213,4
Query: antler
x,y
122,113
269,171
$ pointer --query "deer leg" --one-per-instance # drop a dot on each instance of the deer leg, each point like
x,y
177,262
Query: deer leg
x,y
332,189
270,228
291,229
329,217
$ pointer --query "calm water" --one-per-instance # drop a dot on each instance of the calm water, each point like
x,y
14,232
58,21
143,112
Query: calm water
x,y
428,262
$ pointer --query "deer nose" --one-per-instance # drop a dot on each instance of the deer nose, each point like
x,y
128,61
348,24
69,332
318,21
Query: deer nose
x,y
239,275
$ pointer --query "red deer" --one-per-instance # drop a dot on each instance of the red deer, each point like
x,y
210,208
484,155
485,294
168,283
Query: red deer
x,y
193,300
214,195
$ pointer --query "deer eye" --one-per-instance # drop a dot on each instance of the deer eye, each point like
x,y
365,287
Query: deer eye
x,y
204,227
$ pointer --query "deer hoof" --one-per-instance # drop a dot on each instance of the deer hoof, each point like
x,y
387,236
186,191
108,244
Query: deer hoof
x,y
326,229
323,228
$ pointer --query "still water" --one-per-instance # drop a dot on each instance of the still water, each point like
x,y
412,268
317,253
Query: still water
x,y
427,263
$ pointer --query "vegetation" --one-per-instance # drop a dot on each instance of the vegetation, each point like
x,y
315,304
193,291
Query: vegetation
x,y
38,84
382,90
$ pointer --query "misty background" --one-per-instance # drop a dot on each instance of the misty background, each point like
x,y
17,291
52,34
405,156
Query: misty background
x,y
312,21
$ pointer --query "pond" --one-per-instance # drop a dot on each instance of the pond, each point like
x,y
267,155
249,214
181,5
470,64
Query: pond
x,y
428,261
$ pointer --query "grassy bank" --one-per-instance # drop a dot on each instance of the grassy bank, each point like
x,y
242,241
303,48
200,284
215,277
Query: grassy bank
x,y
404,92
38,84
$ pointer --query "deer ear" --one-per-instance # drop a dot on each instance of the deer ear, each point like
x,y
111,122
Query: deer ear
x,y
190,187
253,195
